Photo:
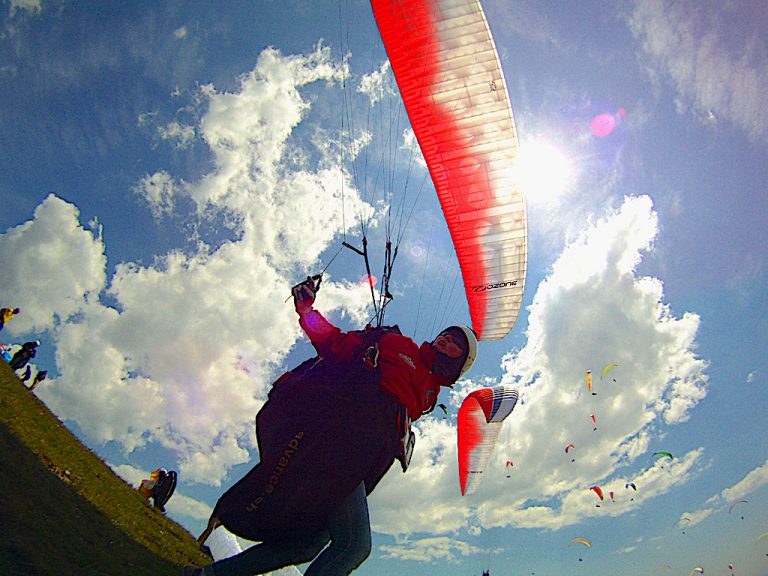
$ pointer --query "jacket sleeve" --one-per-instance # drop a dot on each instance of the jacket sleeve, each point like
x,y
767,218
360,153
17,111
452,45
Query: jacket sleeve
x,y
328,340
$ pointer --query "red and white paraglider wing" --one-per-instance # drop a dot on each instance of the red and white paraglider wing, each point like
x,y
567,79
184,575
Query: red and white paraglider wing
x,y
446,66
479,422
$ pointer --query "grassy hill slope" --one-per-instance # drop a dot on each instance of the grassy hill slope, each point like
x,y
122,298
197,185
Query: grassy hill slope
x,y
62,509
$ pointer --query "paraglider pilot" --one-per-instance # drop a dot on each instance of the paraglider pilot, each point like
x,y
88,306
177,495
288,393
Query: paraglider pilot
x,y
159,487
6,314
24,355
330,430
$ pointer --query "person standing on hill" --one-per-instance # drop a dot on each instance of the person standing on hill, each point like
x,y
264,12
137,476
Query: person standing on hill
x,y
39,377
24,355
6,314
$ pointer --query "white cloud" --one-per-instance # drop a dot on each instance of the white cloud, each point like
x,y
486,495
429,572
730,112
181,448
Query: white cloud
x,y
187,351
31,6
590,311
719,71
688,519
158,190
754,480
52,266
378,84
176,132
436,549
730,497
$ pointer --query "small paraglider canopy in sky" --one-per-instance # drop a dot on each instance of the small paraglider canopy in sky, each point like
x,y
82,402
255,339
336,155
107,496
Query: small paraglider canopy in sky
x,y
736,503
607,369
580,540
684,521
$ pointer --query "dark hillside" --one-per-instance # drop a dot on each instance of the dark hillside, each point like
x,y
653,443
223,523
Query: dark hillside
x,y
62,509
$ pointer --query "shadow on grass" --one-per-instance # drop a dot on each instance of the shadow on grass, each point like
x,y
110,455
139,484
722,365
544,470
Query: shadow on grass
x,y
46,527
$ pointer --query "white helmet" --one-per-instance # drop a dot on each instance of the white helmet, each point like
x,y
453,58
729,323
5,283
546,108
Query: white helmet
x,y
453,368
472,353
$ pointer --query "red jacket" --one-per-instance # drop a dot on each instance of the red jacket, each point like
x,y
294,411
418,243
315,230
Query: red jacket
x,y
405,367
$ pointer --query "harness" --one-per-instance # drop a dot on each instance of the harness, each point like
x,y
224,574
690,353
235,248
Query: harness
x,y
370,358
367,354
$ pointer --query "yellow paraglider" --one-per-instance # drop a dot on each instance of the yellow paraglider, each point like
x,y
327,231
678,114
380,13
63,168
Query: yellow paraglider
x,y
584,541
588,378
607,369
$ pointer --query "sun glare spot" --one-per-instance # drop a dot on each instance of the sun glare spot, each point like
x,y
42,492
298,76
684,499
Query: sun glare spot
x,y
544,171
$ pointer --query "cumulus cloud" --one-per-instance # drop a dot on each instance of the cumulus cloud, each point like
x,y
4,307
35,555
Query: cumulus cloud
x,y
593,309
52,265
437,549
184,352
378,84
178,133
729,498
717,63
754,480
159,191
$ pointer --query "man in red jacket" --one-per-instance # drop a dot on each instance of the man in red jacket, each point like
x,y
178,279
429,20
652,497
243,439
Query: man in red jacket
x,y
328,433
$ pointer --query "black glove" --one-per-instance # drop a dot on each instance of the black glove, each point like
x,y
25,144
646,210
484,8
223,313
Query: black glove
x,y
304,294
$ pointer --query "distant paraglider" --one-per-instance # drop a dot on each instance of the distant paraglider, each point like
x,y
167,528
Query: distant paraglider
x,y
662,454
607,369
588,378
584,541
479,422
580,540
684,521
736,503
570,447
599,491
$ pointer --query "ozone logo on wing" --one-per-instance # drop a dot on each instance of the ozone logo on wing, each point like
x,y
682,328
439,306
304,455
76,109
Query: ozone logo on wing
x,y
485,287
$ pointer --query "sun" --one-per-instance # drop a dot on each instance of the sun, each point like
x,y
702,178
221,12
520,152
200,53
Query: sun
x,y
544,172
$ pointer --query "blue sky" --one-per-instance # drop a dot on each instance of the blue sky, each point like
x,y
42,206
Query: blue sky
x,y
169,169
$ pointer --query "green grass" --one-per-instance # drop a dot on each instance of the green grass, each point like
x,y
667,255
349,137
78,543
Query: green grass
x,y
62,509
